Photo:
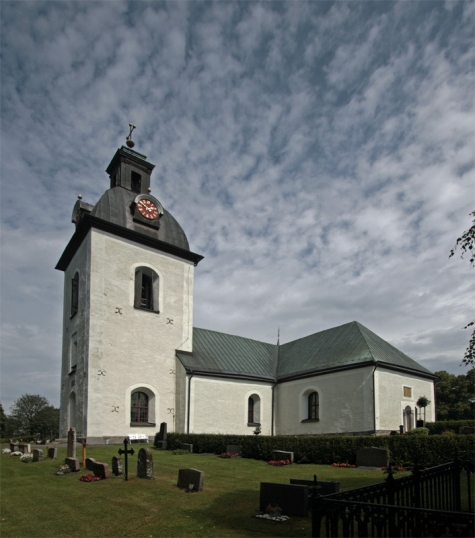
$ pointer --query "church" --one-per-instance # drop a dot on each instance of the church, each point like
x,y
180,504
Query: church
x,y
132,359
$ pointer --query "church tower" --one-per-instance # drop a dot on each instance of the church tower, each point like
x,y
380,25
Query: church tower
x,y
128,308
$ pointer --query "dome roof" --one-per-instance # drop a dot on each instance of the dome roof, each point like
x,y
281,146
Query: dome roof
x,y
115,206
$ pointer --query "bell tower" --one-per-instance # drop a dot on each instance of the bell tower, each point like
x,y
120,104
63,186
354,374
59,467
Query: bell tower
x,y
128,307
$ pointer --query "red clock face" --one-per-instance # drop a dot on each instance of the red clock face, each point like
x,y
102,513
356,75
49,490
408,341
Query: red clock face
x,y
147,209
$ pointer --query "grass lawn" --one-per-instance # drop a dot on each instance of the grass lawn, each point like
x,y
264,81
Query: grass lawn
x,y
36,503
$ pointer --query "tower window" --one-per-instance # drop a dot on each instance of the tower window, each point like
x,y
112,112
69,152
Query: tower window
x,y
136,183
139,407
146,289
74,294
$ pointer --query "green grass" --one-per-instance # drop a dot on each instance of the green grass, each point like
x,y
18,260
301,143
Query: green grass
x,y
36,503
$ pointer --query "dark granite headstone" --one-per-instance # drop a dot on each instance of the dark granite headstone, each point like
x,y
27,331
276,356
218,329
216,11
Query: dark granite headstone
x,y
71,453
372,457
73,464
161,442
101,470
14,447
292,498
187,446
117,466
191,479
145,464
52,452
233,449
37,454
283,455
90,464
325,487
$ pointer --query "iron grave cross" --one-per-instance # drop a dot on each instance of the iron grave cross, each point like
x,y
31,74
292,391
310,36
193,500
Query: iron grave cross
x,y
126,451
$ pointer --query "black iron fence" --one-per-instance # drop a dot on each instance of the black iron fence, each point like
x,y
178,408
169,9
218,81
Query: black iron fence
x,y
426,503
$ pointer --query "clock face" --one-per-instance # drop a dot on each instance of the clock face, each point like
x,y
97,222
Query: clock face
x,y
147,209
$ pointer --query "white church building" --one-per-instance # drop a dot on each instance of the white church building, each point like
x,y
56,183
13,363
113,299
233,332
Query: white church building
x,y
132,359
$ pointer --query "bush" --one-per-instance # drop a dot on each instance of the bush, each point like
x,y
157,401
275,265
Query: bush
x,y
419,431
427,450
437,428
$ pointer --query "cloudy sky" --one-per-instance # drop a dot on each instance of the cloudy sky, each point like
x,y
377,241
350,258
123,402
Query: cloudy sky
x,y
320,155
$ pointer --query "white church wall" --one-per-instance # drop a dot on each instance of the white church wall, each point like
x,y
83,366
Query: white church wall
x,y
345,403
131,347
221,405
391,401
73,399
180,397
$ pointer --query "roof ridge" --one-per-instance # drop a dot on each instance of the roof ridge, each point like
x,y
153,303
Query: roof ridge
x,y
359,325
236,336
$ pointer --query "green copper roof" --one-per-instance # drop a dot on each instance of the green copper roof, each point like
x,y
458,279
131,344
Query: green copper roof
x,y
346,346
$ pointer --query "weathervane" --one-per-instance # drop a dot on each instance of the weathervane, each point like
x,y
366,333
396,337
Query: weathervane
x,y
130,143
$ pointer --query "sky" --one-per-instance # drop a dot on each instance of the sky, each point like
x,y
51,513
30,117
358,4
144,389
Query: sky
x,y
319,155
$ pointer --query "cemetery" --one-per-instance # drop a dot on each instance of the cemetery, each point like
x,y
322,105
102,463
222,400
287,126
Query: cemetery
x,y
139,489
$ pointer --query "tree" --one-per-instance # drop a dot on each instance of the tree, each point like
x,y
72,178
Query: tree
x,y
46,422
466,243
455,395
422,403
6,424
25,410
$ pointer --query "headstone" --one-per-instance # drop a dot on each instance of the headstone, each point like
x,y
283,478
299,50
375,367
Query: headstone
x,y
90,464
292,498
101,470
24,448
161,442
117,466
283,455
372,457
52,452
14,447
325,487
191,479
71,443
73,464
233,449
187,446
37,454
145,464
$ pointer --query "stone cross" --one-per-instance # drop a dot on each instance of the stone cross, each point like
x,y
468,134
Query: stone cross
x,y
126,451
145,464
71,443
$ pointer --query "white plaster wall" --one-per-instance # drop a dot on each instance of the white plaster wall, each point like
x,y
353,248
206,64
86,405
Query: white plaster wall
x,y
220,405
180,397
345,400
129,347
391,401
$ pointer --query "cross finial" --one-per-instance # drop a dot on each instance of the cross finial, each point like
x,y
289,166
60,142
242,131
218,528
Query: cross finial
x,y
130,143
278,336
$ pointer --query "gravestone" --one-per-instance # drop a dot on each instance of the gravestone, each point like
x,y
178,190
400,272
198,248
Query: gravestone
x,y
372,457
90,464
52,452
145,464
71,443
161,442
292,498
117,466
325,487
73,464
233,449
24,448
191,479
283,455
37,454
101,470
187,446
14,447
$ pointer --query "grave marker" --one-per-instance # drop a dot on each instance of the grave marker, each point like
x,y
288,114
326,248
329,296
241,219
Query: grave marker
x,y
292,498
233,449
90,464
126,451
101,470
71,453
161,442
187,446
283,455
191,479
73,464
145,464
117,466
52,452
37,454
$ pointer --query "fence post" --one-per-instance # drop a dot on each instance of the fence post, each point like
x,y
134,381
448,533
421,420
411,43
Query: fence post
x,y
390,488
456,484
416,474
316,509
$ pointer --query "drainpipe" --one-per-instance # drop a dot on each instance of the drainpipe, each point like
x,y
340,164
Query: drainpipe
x,y
272,417
189,403
374,401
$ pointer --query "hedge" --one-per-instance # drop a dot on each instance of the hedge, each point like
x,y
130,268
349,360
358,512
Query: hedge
x,y
436,428
427,450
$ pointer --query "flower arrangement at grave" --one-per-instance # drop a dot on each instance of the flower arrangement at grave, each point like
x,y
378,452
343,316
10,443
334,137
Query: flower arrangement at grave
x,y
279,463
89,478
6,451
344,465
274,510
62,470
228,455
16,453
394,468
26,458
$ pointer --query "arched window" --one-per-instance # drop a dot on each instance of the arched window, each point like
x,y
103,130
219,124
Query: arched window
x,y
313,406
146,289
74,294
250,410
139,407
254,410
